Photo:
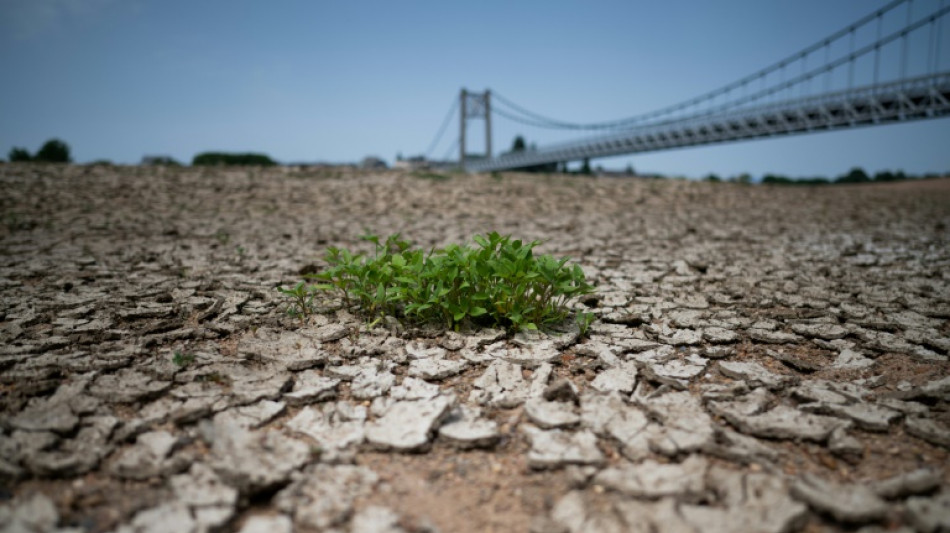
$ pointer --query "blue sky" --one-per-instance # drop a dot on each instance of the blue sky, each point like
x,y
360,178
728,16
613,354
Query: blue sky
x,y
336,81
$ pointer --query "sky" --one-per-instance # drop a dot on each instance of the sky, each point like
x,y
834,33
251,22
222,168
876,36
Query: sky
x,y
307,81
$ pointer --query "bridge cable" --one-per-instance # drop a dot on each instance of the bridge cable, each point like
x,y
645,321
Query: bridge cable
x,y
547,122
445,123
452,147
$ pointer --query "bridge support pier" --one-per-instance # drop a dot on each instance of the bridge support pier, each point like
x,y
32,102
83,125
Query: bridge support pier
x,y
474,105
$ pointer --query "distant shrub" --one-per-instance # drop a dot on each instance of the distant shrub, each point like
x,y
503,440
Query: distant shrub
x,y
772,179
855,175
222,158
19,155
100,163
160,160
53,151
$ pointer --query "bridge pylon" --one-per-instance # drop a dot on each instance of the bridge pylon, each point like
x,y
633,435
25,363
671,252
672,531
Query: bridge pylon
x,y
474,105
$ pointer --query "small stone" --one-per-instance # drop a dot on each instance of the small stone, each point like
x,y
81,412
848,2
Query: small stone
x,y
371,383
268,524
407,425
465,429
414,389
621,378
375,519
752,502
865,415
821,331
719,352
323,496
686,427
436,369
259,414
33,513
331,332
44,416
720,335
818,391
802,365
929,515
418,350
550,415
843,444
773,337
145,459
846,503
684,337
653,480
254,460
310,386
676,373
336,428
501,385
201,487
754,374
169,516
784,422
532,356
919,481
562,390
557,448
648,517
851,359
929,430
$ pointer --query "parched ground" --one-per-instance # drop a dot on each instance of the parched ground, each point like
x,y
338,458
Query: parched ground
x,y
763,359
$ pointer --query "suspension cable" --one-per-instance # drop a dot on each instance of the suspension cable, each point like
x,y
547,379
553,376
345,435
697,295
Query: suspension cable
x,y
445,123
539,120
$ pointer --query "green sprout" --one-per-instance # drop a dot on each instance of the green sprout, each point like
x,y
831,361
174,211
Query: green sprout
x,y
182,359
498,282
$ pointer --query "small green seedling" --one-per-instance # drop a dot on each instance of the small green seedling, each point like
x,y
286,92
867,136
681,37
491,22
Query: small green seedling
x,y
183,359
301,296
497,282
584,320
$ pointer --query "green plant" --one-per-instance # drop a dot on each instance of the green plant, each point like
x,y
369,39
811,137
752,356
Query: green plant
x,y
584,320
301,300
183,359
499,281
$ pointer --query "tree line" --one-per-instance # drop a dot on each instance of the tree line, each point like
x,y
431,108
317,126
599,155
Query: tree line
x,y
57,151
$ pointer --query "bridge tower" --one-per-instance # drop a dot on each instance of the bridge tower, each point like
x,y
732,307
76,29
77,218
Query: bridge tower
x,y
474,105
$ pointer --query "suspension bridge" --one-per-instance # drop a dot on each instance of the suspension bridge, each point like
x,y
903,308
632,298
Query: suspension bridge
x,y
887,67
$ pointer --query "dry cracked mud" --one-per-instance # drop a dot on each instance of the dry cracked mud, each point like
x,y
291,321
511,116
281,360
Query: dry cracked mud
x,y
763,359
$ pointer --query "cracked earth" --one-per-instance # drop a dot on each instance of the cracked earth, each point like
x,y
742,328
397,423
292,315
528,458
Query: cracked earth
x,y
763,359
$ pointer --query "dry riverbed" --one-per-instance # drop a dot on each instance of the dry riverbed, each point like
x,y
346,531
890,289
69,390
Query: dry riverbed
x,y
763,359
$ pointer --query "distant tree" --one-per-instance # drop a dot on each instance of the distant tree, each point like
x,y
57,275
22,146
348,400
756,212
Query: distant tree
x,y
585,167
900,176
885,175
855,175
518,145
221,158
714,178
19,155
100,163
775,179
743,178
159,161
53,151
629,170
